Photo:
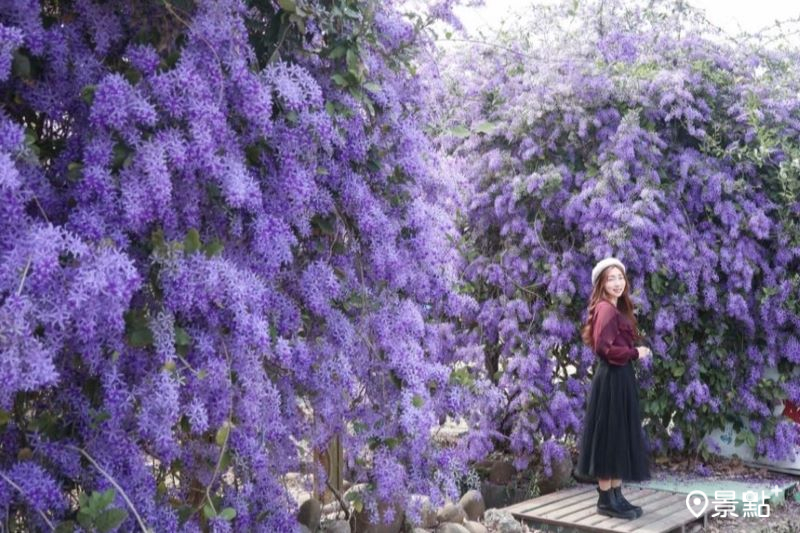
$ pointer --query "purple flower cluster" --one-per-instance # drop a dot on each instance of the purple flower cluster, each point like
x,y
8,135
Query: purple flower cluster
x,y
634,132
218,241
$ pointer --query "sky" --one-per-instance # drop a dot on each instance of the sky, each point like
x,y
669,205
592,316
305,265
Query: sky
x,y
734,16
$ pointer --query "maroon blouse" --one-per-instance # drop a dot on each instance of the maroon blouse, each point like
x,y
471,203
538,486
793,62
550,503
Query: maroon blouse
x,y
612,335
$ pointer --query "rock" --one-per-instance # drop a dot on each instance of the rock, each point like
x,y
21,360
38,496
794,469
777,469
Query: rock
x,y
501,521
450,527
361,522
309,514
472,503
452,512
495,495
501,472
358,487
333,507
420,530
562,471
304,529
427,511
337,526
475,527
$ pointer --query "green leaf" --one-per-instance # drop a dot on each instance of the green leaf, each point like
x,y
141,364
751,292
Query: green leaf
x,y
337,52
459,131
352,61
340,80
372,86
192,241
350,12
95,503
85,519
137,330
288,5
87,93
229,513
461,377
123,156
213,248
225,462
253,153
132,75
74,171
353,496
67,526
110,519
5,417
656,283
21,65
485,127
99,418
417,401
157,241
106,497
208,511
222,434
678,371
182,338
324,225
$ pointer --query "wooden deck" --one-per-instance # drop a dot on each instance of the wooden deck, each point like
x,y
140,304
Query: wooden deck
x,y
574,509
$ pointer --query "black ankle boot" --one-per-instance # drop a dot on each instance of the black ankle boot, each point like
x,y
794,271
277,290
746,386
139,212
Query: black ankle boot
x,y
625,504
607,505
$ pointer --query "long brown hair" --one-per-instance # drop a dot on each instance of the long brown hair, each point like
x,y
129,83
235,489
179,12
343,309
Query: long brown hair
x,y
624,304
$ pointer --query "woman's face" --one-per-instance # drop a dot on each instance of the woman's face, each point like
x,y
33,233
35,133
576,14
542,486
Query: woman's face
x,y
614,284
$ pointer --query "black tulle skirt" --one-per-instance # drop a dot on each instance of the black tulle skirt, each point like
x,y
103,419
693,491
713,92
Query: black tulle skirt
x,y
613,443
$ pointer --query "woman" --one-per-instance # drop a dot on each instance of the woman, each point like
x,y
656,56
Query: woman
x,y
613,445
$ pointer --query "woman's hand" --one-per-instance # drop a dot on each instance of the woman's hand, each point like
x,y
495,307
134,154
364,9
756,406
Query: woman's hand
x,y
644,351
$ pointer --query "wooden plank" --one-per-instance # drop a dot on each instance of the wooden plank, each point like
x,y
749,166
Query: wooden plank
x,y
539,505
559,504
656,501
576,508
677,514
566,512
595,518
663,513
547,498
589,509
549,521
586,509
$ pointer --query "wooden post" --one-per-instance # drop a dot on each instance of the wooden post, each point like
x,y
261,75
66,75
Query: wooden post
x,y
333,464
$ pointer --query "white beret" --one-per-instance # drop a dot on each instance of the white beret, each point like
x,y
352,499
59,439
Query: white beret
x,y
604,264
